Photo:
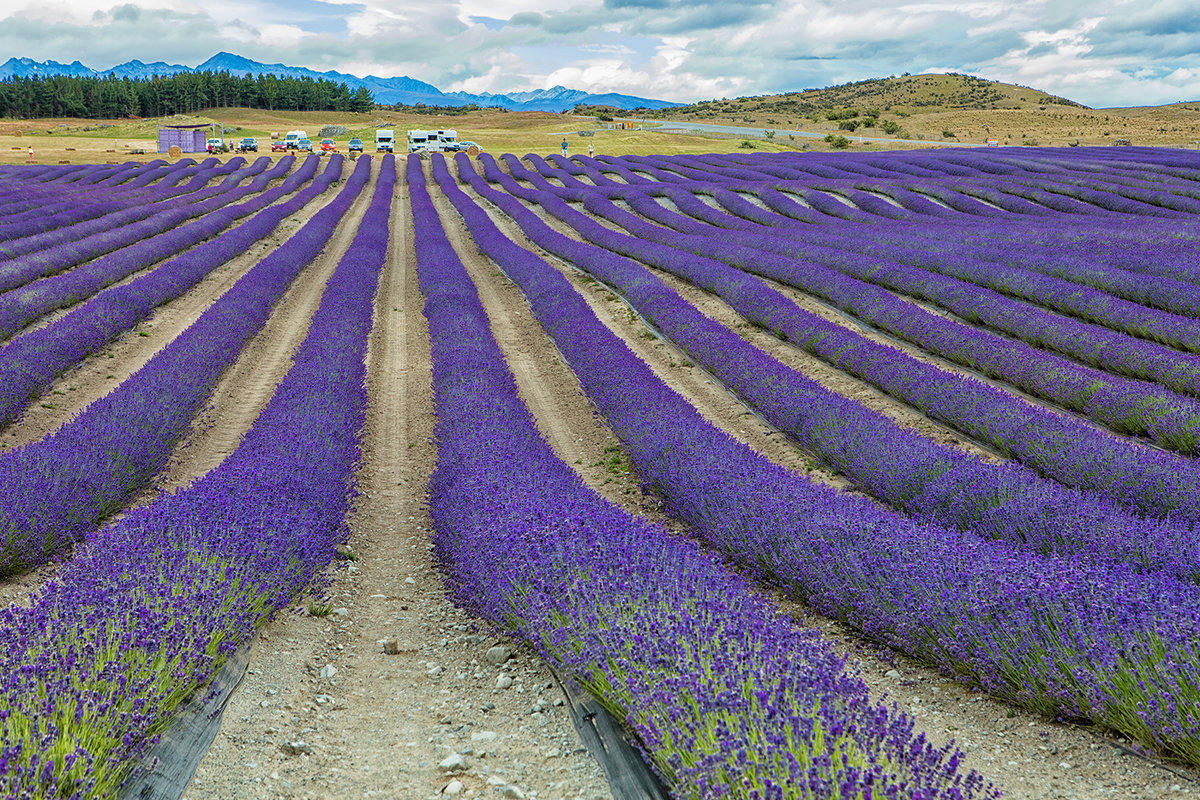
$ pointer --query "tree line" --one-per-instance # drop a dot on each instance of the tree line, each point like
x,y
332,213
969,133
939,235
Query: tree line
x,y
188,92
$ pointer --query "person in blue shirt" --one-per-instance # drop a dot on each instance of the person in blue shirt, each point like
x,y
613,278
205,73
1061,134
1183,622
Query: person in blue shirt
x,y
564,147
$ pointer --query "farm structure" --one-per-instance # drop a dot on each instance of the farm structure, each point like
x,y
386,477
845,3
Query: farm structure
x,y
188,138
811,470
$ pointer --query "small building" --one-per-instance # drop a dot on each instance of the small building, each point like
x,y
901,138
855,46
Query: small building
x,y
188,138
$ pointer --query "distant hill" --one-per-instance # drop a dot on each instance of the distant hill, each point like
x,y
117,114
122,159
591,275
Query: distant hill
x,y
386,91
906,93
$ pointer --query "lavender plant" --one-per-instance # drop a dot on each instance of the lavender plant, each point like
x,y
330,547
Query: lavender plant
x,y
727,697
55,490
1063,636
30,362
150,607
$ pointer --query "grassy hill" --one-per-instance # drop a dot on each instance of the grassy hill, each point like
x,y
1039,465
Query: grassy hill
x,y
936,108
908,94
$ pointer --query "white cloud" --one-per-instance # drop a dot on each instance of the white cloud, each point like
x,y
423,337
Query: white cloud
x,y
1101,52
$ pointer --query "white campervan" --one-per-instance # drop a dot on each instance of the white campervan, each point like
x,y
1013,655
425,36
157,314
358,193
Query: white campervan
x,y
442,140
292,140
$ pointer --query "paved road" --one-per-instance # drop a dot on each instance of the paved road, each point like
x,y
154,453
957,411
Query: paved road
x,y
760,133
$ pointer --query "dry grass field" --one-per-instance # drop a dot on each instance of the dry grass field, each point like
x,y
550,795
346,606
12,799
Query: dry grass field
x,y
98,141
930,108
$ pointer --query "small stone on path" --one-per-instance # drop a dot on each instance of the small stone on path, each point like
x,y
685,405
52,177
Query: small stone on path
x,y
498,655
296,748
452,763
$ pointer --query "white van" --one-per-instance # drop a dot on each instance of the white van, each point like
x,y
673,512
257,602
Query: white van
x,y
443,140
292,140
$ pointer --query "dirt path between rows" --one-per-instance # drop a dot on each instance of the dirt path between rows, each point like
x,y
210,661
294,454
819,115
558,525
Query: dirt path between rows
x,y
381,725
828,376
1029,756
102,372
247,386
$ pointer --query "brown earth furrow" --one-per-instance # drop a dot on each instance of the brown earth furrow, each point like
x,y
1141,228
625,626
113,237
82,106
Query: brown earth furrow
x,y
383,723
1029,756
247,385
103,371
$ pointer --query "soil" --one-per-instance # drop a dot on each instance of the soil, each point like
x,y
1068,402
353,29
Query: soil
x,y
101,372
380,724
1026,755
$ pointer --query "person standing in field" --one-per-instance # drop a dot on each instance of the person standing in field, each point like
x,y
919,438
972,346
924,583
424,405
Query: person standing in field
x,y
564,147
591,150
30,154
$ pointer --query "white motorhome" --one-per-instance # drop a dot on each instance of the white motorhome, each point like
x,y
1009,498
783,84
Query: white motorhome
x,y
385,141
292,140
418,141
443,140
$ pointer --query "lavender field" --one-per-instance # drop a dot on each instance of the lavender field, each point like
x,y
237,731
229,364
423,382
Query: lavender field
x,y
947,402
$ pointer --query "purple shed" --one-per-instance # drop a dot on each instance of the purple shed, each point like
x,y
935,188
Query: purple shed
x,y
188,138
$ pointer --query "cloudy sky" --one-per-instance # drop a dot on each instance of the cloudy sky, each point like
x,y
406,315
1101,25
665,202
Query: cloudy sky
x,y
1098,52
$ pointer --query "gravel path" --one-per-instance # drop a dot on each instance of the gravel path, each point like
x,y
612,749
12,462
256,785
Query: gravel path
x,y
325,712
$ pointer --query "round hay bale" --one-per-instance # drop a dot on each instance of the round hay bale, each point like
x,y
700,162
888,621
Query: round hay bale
x,y
473,150
175,151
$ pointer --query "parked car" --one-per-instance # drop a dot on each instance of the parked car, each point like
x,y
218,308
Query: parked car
x,y
279,146
328,145
248,145
465,146
304,144
216,146
355,146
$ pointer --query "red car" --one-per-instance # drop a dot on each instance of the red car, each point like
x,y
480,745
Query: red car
x,y
328,146
278,146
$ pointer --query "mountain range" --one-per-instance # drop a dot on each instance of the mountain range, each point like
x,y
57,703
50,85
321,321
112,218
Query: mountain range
x,y
387,91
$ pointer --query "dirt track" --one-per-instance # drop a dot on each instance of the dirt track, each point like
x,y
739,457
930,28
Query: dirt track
x,y
383,723
380,726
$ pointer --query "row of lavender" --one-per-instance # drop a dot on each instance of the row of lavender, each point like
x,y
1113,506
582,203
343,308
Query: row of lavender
x,y
30,362
1083,246
909,471
174,230
727,698
55,490
1061,447
56,212
773,246
934,250
33,257
30,206
1090,637
149,608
